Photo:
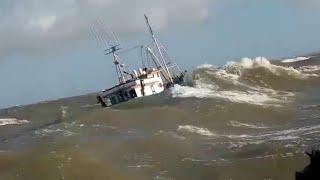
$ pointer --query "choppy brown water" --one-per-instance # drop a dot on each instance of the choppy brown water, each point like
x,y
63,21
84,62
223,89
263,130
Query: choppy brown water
x,y
247,120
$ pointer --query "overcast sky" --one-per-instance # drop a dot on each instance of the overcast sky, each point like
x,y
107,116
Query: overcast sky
x,y
32,26
44,26
46,50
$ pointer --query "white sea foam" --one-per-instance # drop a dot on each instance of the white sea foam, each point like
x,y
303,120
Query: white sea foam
x,y
251,126
283,138
281,135
63,110
231,73
90,105
12,121
257,138
294,137
205,66
247,63
223,74
195,130
297,59
250,97
250,63
234,69
310,68
46,132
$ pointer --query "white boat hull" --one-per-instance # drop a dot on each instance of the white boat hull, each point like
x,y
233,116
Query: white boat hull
x,y
150,85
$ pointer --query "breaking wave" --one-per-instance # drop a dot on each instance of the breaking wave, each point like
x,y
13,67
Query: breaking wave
x,y
252,81
250,97
195,130
12,121
246,65
297,59
244,125
290,137
308,69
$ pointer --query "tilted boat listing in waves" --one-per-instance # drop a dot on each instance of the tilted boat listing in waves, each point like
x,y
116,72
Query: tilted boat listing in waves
x,y
157,73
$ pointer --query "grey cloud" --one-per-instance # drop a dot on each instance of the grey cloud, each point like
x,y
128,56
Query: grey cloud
x,y
35,26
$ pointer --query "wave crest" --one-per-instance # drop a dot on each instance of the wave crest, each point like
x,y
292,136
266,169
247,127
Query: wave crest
x,y
247,64
254,81
195,130
245,125
12,121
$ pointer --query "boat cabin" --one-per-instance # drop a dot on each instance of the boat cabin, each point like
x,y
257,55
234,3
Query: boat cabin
x,y
143,83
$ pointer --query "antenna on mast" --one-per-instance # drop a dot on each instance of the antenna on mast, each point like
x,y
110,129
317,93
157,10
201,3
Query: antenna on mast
x,y
110,44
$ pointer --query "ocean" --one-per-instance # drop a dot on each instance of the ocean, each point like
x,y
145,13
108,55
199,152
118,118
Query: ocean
x,y
249,119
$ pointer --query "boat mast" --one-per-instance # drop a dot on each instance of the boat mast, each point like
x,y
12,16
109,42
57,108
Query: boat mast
x,y
110,44
163,62
117,63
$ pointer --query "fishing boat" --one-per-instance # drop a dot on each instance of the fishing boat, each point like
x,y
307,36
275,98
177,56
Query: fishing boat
x,y
157,73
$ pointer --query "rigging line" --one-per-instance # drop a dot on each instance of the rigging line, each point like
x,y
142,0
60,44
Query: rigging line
x,y
100,27
129,49
103,35
94,28
97,38
92,33
146,56
149,62
116,38
159,66
171,60
142,57
121,62
108,34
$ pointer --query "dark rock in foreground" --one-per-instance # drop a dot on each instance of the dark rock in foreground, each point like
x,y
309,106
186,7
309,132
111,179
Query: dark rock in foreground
x,y
312,171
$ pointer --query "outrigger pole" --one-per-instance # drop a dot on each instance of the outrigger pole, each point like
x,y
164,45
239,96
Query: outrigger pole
x,y
163,63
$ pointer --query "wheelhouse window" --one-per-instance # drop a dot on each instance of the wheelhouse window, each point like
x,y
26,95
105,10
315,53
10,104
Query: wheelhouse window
x,y
132,93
